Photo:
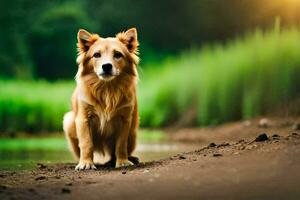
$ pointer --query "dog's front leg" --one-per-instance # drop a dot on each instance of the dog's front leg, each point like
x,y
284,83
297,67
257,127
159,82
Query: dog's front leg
x,y
85,140
121,143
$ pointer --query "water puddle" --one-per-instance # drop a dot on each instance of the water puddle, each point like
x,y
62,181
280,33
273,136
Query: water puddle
x,y
25,153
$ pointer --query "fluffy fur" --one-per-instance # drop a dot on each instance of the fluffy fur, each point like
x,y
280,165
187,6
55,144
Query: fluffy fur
x,y
103,122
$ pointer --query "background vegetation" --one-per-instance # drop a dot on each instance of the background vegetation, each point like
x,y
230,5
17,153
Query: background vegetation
x,y
37,38
203,62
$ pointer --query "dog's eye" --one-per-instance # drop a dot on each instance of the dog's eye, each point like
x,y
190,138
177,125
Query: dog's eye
x,y
118,55
97,55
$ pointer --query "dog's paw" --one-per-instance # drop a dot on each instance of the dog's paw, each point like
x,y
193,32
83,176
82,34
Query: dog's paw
x,y
134,160
82,165
123,163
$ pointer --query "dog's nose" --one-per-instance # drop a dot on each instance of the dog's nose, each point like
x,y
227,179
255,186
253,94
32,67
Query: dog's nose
x,y
107,67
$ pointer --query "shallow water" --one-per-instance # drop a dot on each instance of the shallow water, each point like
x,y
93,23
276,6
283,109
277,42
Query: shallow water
x,y
25,153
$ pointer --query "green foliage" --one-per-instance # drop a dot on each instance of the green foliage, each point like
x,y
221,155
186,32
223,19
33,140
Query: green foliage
x,y
246,77
33,106
53,39
33,144
38,38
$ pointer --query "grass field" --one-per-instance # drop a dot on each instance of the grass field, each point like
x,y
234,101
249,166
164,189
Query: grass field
x,y
33,106
246,77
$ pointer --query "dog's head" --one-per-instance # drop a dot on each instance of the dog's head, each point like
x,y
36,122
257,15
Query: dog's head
x,y
108,57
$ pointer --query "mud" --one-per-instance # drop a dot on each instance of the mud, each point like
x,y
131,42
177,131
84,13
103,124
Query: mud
x,y
245,168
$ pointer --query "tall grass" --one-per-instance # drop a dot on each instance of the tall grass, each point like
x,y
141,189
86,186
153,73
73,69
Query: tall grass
x,y
33,106
246,77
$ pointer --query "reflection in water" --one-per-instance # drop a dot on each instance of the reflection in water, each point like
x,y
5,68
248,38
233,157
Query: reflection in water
x,y
28,159
17,160
156,151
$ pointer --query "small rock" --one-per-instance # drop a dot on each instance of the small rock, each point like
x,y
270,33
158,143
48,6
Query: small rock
x,y
41,166
40,178
261,138
251,147
124,172
295,134
242,148
296,127
217,155
264,123
223,144
182,157
212,144
65,190
2,175
275,137
12,173
69,184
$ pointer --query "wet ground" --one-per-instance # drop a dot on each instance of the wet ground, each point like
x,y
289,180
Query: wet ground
x,y
26,158
242,170
260,166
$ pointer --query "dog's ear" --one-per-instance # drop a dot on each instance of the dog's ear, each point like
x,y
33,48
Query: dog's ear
x,y
85,40
129,38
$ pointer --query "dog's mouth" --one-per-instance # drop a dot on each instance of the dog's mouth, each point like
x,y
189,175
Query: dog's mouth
x,y
106,76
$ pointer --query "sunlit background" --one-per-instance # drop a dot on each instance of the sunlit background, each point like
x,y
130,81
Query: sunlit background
x,y
203,63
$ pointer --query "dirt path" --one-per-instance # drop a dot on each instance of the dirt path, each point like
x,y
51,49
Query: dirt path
x,y
237,170
236,131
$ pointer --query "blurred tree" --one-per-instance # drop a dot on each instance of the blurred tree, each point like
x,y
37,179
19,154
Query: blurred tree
x,y
170,25
38,38
53,39
14,57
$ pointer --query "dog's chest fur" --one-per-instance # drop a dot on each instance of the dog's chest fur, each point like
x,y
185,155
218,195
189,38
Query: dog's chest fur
x,y
103,104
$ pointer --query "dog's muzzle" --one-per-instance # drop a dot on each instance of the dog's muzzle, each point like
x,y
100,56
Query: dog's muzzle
x,y
107,71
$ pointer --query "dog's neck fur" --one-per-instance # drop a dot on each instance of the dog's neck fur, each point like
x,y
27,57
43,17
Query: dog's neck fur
x,y
105,96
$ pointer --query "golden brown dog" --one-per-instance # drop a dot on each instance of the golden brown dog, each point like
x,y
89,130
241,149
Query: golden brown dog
x,y
104,116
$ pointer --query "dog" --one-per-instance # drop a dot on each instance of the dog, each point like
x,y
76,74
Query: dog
x,y
104,119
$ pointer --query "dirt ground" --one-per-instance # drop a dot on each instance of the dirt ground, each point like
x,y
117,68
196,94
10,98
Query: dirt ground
x,y
237,161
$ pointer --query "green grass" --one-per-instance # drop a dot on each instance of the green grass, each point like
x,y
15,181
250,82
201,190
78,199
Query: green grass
x,y
244,78
33,106
36,144
247,77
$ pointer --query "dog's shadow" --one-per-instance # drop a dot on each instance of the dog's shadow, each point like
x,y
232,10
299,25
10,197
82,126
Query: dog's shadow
x,y
112,162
